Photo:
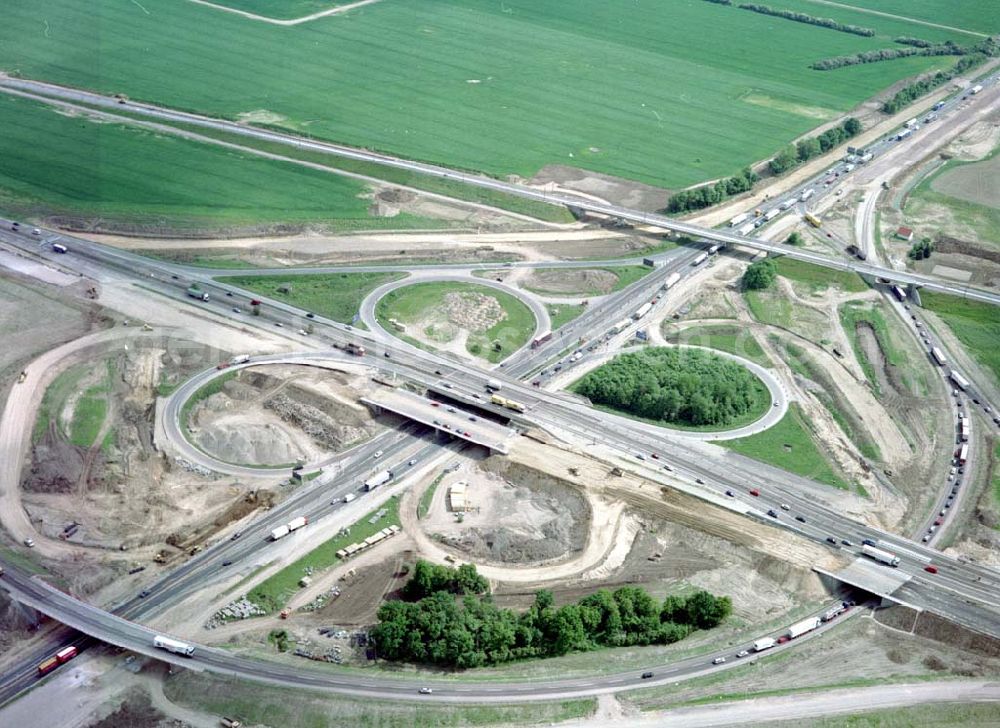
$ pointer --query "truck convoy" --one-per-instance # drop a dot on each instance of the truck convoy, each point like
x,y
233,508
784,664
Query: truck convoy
x,y
800,628
880,555
764,643
378,479
60,658
195,292
292,525
172,645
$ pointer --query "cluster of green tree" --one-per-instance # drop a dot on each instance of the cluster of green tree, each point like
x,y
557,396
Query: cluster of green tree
x,y
708,195
760,275
430,578
437,630
678,386
795,239
921,250
809,19
908,94
806,149
915,42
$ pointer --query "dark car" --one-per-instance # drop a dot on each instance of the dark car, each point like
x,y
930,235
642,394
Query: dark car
x,y
846,542
647,675
868,542
800,519
227,562
310,315
730,493
772,513
387,355
831,539
235,535
144,593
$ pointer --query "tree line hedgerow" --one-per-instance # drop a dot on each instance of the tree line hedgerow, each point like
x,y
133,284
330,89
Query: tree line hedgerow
x,y
988,47
708,195
676,386
808,19
908,94
806,149
439,630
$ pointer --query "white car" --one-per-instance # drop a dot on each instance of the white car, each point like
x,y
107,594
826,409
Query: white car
x,y
785,507
718,660
412,463
426,691
378,454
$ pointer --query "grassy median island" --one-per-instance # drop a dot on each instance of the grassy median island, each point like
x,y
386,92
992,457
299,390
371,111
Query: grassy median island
x,y
336,296
678,387
725,337
789,445
274,592
483,321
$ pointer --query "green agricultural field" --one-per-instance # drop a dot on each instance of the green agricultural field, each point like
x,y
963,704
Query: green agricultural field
x,y
977,326
498,87
281,9
973,15
56,164
789,445
274,592
725,337
336,296
424,305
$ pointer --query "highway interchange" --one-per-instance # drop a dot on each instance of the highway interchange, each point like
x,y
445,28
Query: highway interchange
x,y
965,592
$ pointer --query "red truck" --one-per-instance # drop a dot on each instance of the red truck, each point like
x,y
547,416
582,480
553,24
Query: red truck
x,y
60,658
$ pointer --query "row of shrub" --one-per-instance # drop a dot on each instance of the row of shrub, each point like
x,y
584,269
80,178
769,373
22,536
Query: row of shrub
x,y
806,149
808,19
886,54
698,198
438,630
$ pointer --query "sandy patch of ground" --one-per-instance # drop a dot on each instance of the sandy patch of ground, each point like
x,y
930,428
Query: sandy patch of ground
x,y
616,190
585,281
266,417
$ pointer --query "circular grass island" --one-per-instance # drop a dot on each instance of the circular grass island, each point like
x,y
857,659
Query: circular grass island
x,y
680,387
465,318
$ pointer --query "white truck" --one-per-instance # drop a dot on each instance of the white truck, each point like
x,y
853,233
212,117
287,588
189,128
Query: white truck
x,y
938,356
700,259
59,248
642,311
172,645
746,229
239,359
764,643
672,280
976,89
772,213
292,525
378,479
494,385
806,194
349,497
739,219
880,555
910,124
800,628
960,381
620,326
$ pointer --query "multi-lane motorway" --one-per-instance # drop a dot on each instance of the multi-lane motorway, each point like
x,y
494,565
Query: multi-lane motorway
x,y
967,593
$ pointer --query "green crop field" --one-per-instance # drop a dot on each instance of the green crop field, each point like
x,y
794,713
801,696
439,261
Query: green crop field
x,y
561,314
281,9
424,304
658,92
789,445
71,166
974,15
336,296
817,278
977,326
